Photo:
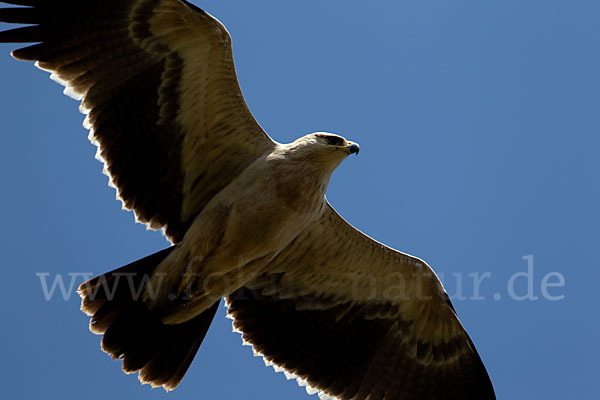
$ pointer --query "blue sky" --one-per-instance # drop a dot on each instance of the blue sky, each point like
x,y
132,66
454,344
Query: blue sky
x,y
478,123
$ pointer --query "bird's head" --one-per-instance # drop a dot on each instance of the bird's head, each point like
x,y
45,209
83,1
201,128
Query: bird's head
x,y
326,149
334,144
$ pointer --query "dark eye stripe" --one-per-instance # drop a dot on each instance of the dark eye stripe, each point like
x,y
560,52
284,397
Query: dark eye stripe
x,y
333,140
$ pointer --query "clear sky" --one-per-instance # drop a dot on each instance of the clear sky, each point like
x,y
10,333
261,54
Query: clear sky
x,y
479,129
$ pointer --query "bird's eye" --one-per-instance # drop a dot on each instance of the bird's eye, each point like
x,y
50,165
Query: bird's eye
x,y
333,140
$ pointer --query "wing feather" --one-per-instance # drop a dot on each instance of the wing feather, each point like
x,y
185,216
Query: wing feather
x,y
157,80
355,319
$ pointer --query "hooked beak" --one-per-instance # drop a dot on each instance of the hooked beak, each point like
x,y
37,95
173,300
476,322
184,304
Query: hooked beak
x,y
353,147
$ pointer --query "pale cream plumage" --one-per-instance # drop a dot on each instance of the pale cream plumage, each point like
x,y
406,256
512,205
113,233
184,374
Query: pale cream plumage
x,y
248,217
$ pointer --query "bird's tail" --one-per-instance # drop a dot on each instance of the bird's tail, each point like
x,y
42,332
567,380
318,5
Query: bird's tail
x,y
135,334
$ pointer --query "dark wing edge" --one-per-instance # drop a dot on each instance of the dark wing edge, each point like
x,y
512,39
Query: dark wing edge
x,y
168,143
306,325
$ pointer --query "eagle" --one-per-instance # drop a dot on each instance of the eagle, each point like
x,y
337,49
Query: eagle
x,y
347,316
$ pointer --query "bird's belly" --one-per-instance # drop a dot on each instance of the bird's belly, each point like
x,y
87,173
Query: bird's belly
x,y
228,245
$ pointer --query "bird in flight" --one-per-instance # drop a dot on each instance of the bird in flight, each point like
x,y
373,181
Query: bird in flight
x,y
247,216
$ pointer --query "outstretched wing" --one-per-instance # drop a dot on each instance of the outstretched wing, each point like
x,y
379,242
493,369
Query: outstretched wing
x,y
157,80
354,319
